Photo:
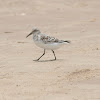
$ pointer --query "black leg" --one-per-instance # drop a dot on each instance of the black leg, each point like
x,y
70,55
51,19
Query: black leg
x,y
41,56
54,54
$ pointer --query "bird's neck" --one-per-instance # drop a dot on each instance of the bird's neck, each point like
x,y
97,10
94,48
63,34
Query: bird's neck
x,y
36,34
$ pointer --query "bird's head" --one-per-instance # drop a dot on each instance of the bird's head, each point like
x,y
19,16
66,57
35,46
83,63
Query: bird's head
x,y
33,31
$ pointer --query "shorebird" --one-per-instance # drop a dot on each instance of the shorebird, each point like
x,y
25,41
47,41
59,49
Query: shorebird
x,y
46,42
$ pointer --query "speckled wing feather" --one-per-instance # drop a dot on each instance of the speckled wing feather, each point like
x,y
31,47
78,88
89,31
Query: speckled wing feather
x,y
48,40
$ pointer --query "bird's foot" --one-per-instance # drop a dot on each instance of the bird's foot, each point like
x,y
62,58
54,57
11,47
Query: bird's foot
x,y
53,60
36,60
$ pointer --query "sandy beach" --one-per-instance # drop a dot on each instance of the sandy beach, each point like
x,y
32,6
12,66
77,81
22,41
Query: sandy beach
x,y
75,75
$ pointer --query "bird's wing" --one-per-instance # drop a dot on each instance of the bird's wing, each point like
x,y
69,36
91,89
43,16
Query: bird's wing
x,y
47,39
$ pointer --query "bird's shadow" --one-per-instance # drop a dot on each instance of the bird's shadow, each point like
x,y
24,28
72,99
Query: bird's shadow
x,y
48,60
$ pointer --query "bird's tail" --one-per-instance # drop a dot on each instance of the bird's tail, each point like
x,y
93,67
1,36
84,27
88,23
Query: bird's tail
x,y
67,41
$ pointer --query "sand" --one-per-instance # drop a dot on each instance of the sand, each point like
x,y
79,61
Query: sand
x,y
75,75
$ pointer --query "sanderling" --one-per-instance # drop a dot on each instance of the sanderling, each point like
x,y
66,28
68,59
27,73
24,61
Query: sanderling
x,y
46,42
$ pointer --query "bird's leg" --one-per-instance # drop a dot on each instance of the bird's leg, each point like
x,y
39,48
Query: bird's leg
x,y
42,55
54,54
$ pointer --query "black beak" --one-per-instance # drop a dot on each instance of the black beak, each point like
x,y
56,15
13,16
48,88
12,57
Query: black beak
x,y
29,34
